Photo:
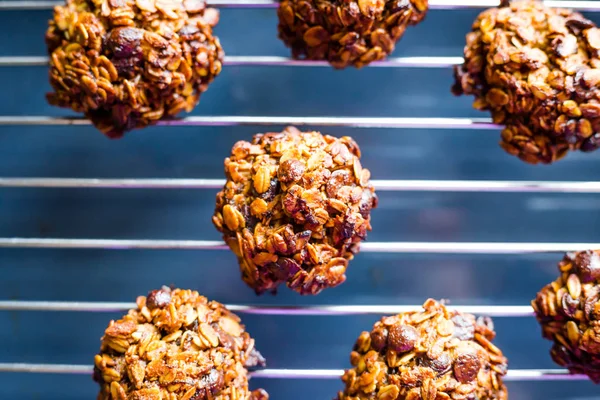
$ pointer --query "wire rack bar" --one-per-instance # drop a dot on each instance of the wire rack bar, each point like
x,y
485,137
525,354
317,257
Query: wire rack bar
x,y
112,244
381,185
22,61
324,310
371,247
355,122
433,4
75,183
46,5
269,61
512,375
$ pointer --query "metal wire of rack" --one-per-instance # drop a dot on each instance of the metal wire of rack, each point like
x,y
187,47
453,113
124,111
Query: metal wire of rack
x,y
433,4
382,185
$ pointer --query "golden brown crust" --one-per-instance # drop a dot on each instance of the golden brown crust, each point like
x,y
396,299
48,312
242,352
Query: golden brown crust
x,y
294,209
537,69
178,346
568,311
126,64
354,32
435,354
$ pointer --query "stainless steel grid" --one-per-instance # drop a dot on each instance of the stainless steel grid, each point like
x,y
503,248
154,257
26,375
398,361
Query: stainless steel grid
x,y
387,185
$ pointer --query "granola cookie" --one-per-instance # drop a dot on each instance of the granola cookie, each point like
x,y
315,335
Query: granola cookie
x,y
178,346
435,354
126,64
568,311
294,209
537,70
349,32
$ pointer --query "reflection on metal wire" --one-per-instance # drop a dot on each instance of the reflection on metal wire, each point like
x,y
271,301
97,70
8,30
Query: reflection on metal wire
x,y
513,375
378,247
324,310
381,185
354,122
271,61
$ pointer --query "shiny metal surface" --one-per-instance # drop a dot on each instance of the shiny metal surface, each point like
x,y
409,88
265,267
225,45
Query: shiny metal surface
x,y
270,61
512,375
370,247
354,122
492,311
380,185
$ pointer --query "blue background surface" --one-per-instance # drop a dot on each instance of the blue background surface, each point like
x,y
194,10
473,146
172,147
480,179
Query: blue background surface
x,y
198,152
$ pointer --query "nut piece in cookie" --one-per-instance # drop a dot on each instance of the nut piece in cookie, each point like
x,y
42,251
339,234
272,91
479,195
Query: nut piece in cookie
x,y
294,209
431,354
176,345
568,311
537,70
127,64
353,32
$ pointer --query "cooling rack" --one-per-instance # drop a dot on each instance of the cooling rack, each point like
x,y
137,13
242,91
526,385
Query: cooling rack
x,y
73,308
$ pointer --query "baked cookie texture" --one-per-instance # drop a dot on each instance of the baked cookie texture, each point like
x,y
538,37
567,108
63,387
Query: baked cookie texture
x,y
176,345
568,311
432,354
537,70
346,33
126,64
294,209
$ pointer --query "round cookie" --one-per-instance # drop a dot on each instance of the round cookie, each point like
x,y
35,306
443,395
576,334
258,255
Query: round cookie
x,y
294,209
434,354
354,32
537,70
568,311
176,345
126,64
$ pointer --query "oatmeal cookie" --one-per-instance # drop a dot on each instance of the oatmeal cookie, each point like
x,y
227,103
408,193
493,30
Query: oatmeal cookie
x,y
568,311
432,354
537,70
349,32
179,346
294,209
126,64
